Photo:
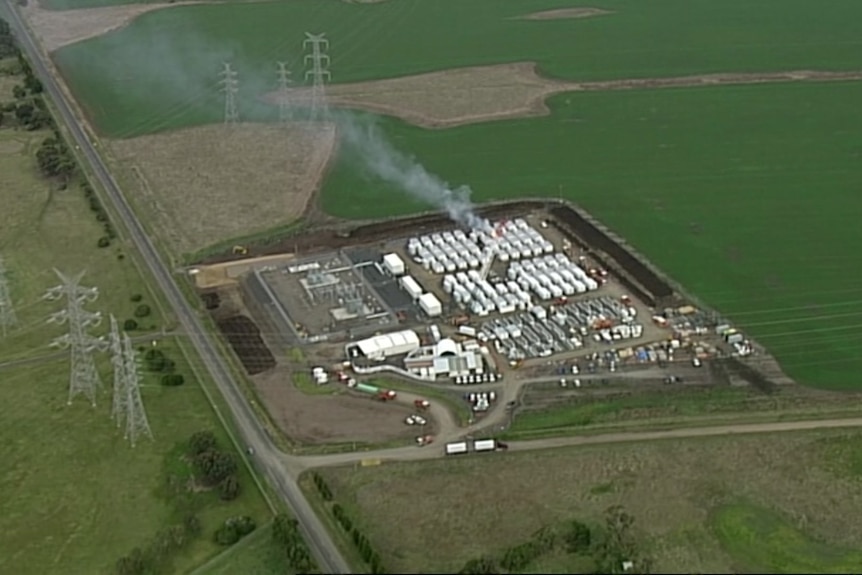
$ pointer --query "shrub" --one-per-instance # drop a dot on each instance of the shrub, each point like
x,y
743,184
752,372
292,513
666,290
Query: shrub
x,y
142,310
136,297
226,535
104,242
229,488
130,325
173,379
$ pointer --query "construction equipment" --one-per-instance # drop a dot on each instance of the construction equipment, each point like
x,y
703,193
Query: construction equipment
x,y
240,250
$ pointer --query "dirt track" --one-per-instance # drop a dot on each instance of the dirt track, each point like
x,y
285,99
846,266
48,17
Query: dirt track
x,y
434,452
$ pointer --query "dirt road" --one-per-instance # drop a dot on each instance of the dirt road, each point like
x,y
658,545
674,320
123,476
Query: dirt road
x,y
436,451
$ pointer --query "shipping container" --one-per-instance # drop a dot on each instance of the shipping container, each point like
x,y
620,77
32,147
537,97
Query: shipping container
x,y
411,286
366,388
480,445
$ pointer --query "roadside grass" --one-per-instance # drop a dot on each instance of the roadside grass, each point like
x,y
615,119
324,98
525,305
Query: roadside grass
x,y
78,494
671,408
761,539
41,228
304,383
674,489
254,555
733,36
711,184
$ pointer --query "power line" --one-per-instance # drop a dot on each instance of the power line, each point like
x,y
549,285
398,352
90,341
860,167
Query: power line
x,y
319,73
8,320
118,403
284,112
84,378
230,87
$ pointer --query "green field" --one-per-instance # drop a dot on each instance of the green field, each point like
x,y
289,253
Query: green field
x,y
161,72
76,494
748,504
670,407
746,195
254,555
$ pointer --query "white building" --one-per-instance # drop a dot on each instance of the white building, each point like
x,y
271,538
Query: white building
x,y
380,347
394,265
447,358
430,304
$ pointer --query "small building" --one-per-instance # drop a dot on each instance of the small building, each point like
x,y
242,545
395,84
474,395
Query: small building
x,y
446,358
380,347
430,304
411,286
394,265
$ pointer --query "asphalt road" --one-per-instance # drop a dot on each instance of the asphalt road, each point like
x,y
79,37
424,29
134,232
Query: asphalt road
x,y
268,459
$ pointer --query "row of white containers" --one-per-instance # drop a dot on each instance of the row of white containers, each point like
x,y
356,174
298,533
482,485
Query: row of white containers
x,y
448,252
551,276
470,291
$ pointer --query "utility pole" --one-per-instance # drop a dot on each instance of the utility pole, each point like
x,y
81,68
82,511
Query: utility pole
x,y
84,378
8,320
283,93
230,87
318,73
137,424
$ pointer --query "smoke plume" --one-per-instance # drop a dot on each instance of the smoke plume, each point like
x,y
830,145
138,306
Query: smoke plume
x,y
382,160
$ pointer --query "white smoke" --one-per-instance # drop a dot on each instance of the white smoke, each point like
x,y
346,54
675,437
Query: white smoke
x,y
382,160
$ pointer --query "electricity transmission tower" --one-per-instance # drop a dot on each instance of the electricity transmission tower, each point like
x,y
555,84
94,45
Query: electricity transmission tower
x,y
283,92
84,378
230,87
127,407
7,313
131,404
319,72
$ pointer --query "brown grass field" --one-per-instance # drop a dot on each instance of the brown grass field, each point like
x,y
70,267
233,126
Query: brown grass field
x,y
485,503
204,188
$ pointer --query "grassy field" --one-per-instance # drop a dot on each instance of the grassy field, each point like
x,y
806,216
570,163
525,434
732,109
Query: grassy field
x,y
254,555
176,54
744,201
670,407
780,504
42,228
78,494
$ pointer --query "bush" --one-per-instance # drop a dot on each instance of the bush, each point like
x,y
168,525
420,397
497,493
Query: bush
x,y
213,467
243,524
136,297
226,535
173,379
577,537
130,325
202,441
229,488
104,242
142,310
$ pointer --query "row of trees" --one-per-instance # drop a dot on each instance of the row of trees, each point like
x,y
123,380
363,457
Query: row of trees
x,y
213,468
155,556
607,549
360,541
288,539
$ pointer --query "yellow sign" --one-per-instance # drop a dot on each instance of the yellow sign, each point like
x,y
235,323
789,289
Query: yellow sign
x,y
370,462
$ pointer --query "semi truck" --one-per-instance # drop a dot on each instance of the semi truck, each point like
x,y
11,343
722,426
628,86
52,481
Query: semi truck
x,y
382,394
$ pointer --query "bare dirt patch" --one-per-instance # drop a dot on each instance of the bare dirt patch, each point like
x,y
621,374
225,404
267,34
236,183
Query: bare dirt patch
x,y
486,93
566,13
205,187
316,419
58,28
670,487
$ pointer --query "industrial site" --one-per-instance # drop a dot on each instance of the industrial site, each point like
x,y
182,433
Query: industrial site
x,y
469,314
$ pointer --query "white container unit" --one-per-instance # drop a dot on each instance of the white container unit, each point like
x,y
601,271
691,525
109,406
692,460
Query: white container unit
x,y
449,283
438,268
411,286
430,304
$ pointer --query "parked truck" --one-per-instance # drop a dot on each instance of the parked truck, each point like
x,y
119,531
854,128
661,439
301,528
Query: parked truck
x,y
382,394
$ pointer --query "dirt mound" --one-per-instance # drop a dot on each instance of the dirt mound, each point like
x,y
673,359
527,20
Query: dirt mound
x,y
205,185
566,13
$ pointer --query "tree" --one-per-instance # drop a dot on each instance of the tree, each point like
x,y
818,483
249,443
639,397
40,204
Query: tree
x,y
213,467
226,535
142,310
577,537
244,524
32,83
130,325
19,92
104,242
480,566
229,488
201,442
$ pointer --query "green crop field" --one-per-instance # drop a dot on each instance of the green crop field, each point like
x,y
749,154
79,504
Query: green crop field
x,y
76,494
746,195
767,504
161,72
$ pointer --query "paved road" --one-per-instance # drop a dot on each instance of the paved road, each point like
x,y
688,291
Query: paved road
x,y
267,457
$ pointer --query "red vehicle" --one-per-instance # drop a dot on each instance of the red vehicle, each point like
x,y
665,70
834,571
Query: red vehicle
x,y
422,404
